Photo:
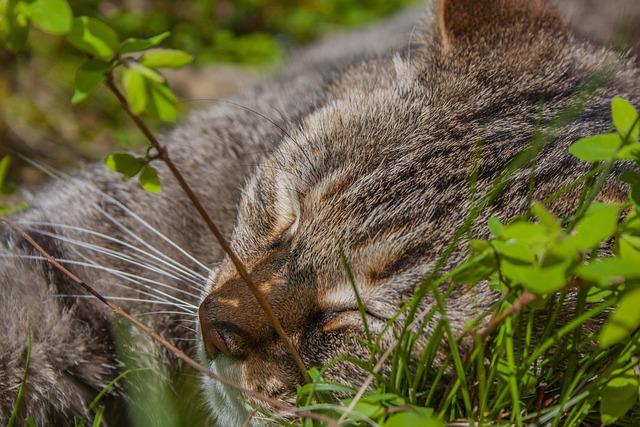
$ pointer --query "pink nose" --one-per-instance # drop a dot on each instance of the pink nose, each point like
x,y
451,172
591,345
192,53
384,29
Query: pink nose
x,y
213,340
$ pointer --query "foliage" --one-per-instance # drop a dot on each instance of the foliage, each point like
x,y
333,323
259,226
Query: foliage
x,y
137,60
252,35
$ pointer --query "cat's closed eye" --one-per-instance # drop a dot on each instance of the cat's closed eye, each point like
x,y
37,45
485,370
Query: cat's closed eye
x,y
347,318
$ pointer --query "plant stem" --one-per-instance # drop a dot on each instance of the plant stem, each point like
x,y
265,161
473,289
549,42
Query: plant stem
x,y
239,265
23,383
513,373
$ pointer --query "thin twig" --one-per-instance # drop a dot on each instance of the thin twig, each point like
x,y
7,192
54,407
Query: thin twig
x,y
239,265
286,408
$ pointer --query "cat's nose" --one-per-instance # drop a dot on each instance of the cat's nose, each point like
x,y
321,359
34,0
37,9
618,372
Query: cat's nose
x,y
220,335
214,341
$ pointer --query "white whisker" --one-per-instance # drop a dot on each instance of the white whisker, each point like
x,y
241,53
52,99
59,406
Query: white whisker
x,y
115,298
118,273
149,227
149,313
59,175
161,296
117,255
143,242
171,262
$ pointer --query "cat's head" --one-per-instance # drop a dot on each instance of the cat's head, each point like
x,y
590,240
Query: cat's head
x,y
379,174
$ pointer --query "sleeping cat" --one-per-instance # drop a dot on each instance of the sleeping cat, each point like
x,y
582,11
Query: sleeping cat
x,y
366,149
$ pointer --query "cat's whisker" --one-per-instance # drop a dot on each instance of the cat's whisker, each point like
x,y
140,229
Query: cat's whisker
x,y
152,229
171,263
143,242
54,173
187,328
118,255
136,279
149,313
115,298
157,296
46,169
118,273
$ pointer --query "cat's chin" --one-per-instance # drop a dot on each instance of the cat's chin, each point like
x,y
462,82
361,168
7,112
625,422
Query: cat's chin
x,y
227,405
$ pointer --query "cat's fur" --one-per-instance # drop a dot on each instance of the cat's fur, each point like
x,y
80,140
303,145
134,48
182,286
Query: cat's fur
x,y
375,157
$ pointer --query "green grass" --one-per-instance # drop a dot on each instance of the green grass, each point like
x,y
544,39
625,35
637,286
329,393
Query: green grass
x,y
13,418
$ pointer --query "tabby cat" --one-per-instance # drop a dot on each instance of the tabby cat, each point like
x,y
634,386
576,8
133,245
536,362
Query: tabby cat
x,y
367,150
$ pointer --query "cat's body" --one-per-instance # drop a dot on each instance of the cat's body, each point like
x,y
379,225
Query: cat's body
x,y
375,159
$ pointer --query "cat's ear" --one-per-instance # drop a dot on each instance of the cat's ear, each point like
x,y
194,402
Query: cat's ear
x,y
489,23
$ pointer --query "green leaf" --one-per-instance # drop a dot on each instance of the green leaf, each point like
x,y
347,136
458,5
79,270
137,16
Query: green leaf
x,y
135,89
136,45
632,222
629,152
495,226
596,148
629,248
546,217
51,16
14,27
123,163
374,405
94,37
600,222
619,396
625,116
482,267
609,271
596,294
162,102
479,246
413,419
149,179
623,321
515,250
389,399
166,58
89,76
369,410
148,73
527,233
538,280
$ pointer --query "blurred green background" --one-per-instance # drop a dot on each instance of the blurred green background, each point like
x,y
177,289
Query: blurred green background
x,y
234,42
